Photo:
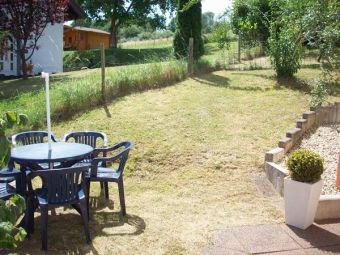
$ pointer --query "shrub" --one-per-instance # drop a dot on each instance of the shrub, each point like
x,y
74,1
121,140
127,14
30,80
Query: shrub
x,y
10,211
319,93
8,121
305,166
222,35
285,53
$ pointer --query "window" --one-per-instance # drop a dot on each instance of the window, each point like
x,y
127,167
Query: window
x,y
70,40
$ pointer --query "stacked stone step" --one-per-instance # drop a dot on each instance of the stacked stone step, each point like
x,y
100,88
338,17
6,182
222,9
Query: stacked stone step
x,y
294,135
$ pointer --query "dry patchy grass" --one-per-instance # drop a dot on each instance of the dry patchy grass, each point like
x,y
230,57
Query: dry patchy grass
x,y
198,146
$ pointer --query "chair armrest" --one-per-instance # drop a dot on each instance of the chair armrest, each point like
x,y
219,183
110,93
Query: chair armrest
x,y
127,146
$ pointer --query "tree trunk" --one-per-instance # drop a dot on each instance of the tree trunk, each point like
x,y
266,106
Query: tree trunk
x,y
18,45
114,33
23,64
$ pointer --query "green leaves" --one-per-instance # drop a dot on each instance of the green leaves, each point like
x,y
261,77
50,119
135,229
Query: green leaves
x,y
8,121
10,211
4,150
285,51
222,35
305,166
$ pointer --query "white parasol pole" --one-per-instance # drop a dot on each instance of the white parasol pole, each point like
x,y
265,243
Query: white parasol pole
x,y
48,108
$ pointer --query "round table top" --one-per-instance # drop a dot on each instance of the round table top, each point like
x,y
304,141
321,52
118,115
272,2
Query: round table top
x,y
60,152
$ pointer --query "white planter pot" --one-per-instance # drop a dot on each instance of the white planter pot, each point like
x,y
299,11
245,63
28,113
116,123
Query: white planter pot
x,y
301,202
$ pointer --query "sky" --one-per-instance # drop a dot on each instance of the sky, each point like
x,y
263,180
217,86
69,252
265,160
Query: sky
x,y
215,6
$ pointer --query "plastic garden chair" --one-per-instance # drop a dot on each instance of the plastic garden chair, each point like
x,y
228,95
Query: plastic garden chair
x,y
60,187
31,137
86,137
7,176
101,173
90,138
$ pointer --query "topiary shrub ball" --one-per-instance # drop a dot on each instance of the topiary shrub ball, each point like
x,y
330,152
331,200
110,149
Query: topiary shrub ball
x,y
305,166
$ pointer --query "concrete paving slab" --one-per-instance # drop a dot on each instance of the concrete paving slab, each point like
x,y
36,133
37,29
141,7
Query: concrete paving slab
x,y
314,236
277,239
293,252
226,238
221,251
264,238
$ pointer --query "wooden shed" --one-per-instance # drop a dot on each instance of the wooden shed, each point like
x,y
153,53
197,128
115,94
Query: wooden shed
x,y
83,38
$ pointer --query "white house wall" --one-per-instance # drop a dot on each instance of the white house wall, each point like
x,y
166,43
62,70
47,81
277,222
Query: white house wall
x,y
49,56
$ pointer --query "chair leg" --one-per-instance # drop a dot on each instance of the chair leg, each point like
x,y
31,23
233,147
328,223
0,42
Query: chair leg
x,y
29,215
121,196
88,199
106,190
44,220
84,215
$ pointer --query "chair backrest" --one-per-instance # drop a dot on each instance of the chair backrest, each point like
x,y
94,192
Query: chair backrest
x,y
86,137
31,137
121,157
60,186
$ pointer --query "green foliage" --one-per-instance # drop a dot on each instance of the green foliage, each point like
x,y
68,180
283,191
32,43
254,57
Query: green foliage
x,y
325,85
8,121
312,22
10,211
305,166
222,35
285,52
319,93
172,25
130,31
126,12
188,24
251,20
74,60
102,25
319,21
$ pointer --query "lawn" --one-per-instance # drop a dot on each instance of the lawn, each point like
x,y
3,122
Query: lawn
x,y
74,60
199,152
147,44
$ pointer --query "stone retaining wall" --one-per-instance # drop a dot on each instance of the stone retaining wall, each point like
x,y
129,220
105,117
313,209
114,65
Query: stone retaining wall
x,y
313,118
276,173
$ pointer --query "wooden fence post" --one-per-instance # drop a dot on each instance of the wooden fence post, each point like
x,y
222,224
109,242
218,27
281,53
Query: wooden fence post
x,y
191,56
102,59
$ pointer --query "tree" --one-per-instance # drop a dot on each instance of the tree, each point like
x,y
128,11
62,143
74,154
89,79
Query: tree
x,y
26,21
208,22
311,22
188,24
250,19
103,25
172,25
125,12
222,34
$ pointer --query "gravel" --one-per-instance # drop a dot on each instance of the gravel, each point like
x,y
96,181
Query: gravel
x,y
325,140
